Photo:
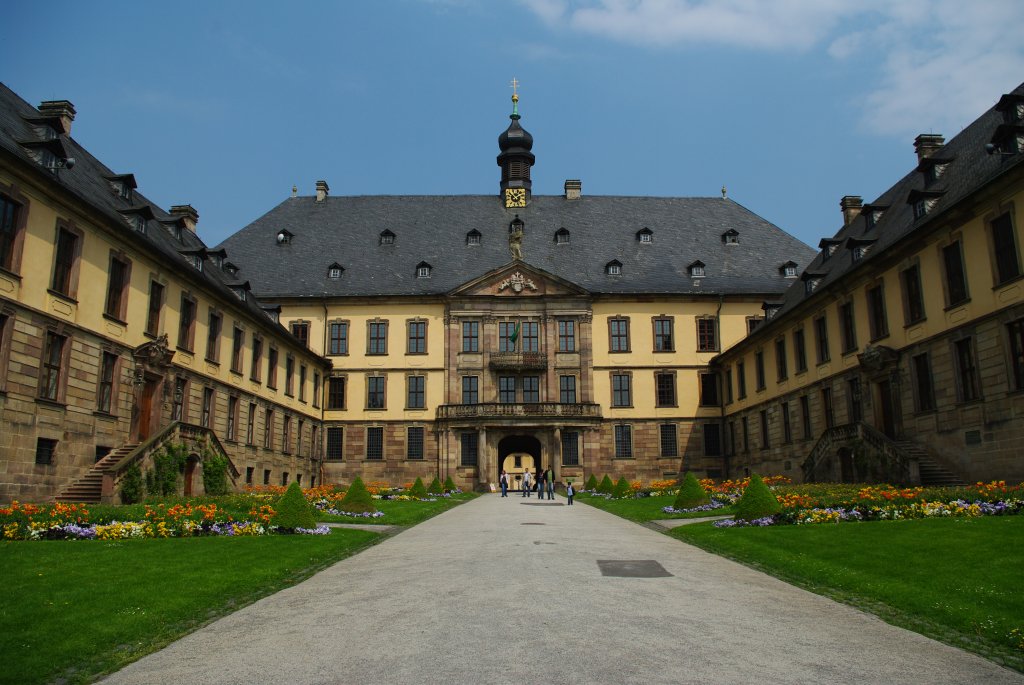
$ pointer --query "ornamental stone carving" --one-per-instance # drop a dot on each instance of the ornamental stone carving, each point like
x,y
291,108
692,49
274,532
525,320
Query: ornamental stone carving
x,y
517,282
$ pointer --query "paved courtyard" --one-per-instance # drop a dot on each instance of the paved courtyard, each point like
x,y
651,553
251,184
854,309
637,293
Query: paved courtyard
x,y
520,591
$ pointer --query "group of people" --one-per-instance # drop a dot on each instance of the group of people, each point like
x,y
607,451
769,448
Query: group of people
x,y
542,482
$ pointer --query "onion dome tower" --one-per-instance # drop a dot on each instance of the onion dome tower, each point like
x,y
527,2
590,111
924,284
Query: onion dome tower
x,y
515,159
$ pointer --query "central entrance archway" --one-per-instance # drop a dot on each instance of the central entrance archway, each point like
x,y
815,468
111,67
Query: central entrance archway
x,y
518,454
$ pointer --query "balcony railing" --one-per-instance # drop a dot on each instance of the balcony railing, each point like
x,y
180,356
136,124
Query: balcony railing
x,y
519,361
539,410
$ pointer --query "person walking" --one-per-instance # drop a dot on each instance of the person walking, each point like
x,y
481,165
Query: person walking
x,y
550,478
504,483
569,492
526,483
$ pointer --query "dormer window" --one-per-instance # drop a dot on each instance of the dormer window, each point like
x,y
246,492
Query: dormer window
x,y
230,269
645,236
923,201
274,313
828,248
771,309
872,215
240,293
696,269
176,231
812,279
334,271
197,262
613,268
473,237
731,237
124,185
423,270
788,270
1012,107
387,237
284,237
139,223
562,236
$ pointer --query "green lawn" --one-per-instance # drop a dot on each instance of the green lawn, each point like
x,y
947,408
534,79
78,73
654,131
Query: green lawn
x,y
402,513
73,610
645,509
956,580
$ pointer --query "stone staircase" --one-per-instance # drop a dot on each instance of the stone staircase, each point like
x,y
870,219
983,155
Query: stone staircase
x,y
933,473
89,488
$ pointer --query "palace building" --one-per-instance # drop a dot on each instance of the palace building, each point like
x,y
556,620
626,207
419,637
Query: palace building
x,y
393,337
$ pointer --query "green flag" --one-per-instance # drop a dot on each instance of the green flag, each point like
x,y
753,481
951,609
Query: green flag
x,y
515,334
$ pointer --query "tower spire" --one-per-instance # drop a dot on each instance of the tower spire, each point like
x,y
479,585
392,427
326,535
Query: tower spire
x,y
515,98
515,159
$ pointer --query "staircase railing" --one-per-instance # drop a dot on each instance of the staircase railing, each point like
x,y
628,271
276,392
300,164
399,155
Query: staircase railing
x,y
868,435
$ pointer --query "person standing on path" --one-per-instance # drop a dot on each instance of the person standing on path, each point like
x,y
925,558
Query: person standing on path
x,y
550,478
504,483
569,492
526,484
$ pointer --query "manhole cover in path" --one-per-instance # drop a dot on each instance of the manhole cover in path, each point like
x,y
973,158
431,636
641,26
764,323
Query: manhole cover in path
x,y
642,568
531,523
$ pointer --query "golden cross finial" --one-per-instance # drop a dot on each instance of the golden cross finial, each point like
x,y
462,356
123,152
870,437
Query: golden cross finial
x,y
515,85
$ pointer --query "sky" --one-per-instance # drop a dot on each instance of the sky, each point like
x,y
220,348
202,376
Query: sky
x,y
789,104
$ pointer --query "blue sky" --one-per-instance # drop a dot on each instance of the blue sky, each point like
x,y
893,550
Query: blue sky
x,y
791,104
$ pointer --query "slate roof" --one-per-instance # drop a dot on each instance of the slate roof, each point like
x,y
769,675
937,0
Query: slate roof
x,y
433,229
93,183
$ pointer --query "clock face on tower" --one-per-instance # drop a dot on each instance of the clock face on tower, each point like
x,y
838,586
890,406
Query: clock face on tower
x,y
515,197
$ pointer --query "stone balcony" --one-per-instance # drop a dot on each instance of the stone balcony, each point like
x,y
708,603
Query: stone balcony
x,y
518,361
519,410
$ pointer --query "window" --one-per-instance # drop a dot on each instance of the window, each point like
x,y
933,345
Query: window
x,y
570,448
387,237
300,329
45,449
531,339
663,335
119,276
207,416
375,442
805,416
237,345
745,429
417,337
665,389
336,392
213,337
759,369
697,270
620,390
470,389
470,336
473,237
507,389
764,429
753,322
709,390
707,334
178,412
846,327
618,331
531,389
712,440
623,442
781,364
65,261
566,335
187,323
913,299
377,340
51,381
470,443
1015,331
414,442
1004,245
423,270
561,237
316,389
878,323
375,392
248,474
266,476
272,368
956,278
302,382
334,271
232,418
827,409
289,375
508,335
728,386
257,358
286,435
669,441
966,370
741,380
12,230
787,426
338,343
250,426
645,236
800,350
613,268
853,396
821,339
105,393
335,437
567,389
156,303
416,392
284,478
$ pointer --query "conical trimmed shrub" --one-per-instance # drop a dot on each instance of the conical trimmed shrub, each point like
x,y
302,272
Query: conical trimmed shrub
x,y
449,485
757,501
591,483
418,490
435,487
621,488
691,494
293,510
358,499
605,486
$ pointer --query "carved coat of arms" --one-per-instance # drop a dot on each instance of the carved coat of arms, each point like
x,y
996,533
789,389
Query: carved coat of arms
x,y
517,282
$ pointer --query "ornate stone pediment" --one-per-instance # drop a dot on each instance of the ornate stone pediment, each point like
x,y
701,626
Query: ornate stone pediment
x,y
518,280
878,358
155,356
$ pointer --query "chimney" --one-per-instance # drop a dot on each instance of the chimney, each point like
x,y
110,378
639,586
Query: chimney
x,y
573,189
186,213
59,109
927,144
851,206
321,191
